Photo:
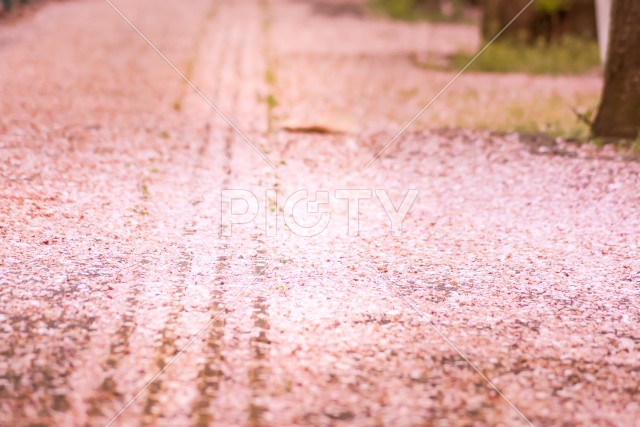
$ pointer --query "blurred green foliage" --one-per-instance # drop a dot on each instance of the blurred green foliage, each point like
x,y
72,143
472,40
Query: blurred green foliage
x,y
551,6
414,10
398,9
551,20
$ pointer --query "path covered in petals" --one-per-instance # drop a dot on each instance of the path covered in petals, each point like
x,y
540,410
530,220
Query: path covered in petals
x,y
510,298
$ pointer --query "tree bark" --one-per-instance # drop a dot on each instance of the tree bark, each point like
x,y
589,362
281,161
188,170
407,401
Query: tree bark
x,y
619,112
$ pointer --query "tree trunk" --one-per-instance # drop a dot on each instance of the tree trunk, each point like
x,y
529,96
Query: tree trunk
x,y
619,113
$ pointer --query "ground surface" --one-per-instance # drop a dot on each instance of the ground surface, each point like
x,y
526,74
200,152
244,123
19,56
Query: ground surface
x,y
519,260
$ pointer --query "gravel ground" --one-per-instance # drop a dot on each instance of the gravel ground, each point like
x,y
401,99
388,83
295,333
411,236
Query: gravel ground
x,y
511,298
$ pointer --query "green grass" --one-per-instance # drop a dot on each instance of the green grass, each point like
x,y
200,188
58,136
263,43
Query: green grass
x,y
398,9
552,114
568,56
414,10
635,146
629,149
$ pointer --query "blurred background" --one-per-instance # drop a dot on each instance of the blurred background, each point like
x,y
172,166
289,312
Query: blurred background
x,y
544,75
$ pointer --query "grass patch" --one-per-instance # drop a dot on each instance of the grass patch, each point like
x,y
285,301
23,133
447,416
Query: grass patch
x,y
568,56
625,148
405,10
270,77
635,146
416,10
552,114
